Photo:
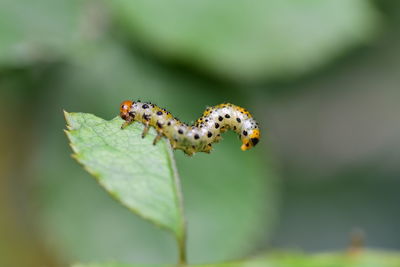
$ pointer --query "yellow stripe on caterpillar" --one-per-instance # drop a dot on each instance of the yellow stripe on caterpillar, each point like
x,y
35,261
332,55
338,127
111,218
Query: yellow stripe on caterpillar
x,y
198,137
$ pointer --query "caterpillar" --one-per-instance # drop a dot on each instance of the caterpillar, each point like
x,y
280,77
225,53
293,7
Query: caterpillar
x,y
198,137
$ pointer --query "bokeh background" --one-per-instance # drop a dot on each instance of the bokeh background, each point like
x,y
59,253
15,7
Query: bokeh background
x,y
322,78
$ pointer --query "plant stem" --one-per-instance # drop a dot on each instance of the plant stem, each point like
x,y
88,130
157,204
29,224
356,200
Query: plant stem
x,y
182,235
182,250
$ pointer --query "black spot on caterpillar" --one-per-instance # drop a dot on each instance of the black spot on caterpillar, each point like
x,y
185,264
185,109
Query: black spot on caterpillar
x,y
198,137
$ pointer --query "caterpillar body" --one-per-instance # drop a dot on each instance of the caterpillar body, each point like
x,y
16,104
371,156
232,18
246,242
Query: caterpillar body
x,y
198,137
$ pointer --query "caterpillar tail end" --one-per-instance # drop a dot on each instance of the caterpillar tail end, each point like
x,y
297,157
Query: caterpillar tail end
x,y
244,147
251,141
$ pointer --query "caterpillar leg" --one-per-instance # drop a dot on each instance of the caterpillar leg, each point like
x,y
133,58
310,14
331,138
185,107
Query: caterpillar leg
x,y
173,144
189,152
208,149
157,138
218,138
128,121
145,130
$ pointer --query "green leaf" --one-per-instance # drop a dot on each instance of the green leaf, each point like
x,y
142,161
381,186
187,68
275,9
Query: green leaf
x,y
141,176
103,265
293,259
249,40
118,265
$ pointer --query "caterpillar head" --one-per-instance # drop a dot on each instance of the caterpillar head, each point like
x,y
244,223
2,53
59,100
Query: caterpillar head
x,y
124,109
251,140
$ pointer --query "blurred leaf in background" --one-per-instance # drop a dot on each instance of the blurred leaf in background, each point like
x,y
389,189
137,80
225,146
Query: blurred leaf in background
x,y
273,259
249,40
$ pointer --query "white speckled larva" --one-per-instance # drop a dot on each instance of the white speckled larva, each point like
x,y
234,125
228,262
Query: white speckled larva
x,y
200,136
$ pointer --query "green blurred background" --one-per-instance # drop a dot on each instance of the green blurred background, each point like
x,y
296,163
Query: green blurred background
x,y
321,77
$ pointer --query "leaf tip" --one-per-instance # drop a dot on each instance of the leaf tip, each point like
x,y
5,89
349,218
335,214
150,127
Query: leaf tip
x,y
66,115
68,119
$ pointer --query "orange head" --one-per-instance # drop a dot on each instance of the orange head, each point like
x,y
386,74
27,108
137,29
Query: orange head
x,y
124,109
252,139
